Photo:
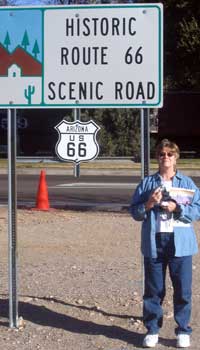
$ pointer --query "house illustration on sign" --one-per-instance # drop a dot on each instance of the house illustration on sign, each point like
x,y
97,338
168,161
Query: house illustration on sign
x,y
14,71
21,62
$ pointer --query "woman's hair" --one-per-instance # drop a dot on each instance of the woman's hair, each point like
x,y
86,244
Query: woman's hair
x,y
171,145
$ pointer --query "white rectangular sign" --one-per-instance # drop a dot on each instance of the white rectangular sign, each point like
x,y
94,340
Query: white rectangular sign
x,y
82,56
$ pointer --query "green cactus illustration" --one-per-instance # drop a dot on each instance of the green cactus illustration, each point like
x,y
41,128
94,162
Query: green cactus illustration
x,y
29,92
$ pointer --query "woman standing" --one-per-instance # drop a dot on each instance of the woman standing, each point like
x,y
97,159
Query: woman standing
x,y
167,203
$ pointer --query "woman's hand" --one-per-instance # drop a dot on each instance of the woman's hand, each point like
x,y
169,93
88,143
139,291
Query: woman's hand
x,y
155,198
169,206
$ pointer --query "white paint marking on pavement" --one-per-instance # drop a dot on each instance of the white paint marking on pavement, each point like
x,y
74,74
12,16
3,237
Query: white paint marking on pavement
x,y
96,185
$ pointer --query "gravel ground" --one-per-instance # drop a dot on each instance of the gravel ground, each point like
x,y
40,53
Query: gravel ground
x,y
79,283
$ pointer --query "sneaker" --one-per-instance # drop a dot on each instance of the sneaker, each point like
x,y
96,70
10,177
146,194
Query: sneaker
x,y
183,341
150,340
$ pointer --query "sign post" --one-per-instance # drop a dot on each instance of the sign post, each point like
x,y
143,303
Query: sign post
x,y
145,161
12,229
145,142
76,166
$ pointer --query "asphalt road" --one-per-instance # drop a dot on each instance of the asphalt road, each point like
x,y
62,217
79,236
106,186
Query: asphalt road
x,y
68,191
64,191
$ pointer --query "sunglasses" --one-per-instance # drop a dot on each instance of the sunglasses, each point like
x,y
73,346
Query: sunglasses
x,y
168,154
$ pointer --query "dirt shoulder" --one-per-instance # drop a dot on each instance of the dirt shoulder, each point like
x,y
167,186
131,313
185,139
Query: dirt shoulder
x,y
79,283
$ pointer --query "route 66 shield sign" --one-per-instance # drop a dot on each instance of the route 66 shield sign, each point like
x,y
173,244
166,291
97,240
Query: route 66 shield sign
x,y
77,141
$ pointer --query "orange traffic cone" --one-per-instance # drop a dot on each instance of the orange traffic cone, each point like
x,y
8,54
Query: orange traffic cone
x,y
42,201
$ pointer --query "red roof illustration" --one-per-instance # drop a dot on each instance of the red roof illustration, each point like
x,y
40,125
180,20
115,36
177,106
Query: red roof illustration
x,y
28,64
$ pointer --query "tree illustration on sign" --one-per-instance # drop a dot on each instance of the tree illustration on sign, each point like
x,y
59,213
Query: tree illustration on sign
x,y
29,92
36,50
25,41
7,41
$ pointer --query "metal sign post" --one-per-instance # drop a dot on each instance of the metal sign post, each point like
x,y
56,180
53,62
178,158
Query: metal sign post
x,y
145,142
12,227
76,166
145,160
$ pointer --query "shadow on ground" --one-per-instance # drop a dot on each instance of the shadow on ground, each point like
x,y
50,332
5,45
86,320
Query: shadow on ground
x,y
43,316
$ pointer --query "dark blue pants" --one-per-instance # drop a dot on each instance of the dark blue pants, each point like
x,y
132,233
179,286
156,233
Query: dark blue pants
x,y
180,271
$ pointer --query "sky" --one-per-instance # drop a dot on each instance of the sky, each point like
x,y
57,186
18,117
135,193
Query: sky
x,y
54,2
31,2
17,23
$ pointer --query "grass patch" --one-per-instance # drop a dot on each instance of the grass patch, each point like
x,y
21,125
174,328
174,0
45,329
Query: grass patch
x,y
102,164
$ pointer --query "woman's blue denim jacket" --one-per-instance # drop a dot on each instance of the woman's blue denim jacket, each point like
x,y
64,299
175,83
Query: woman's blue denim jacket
x,y
184,236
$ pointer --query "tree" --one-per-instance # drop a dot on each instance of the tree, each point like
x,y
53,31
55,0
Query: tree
x,y
120,130
182,44
25,40
36,50
7,40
